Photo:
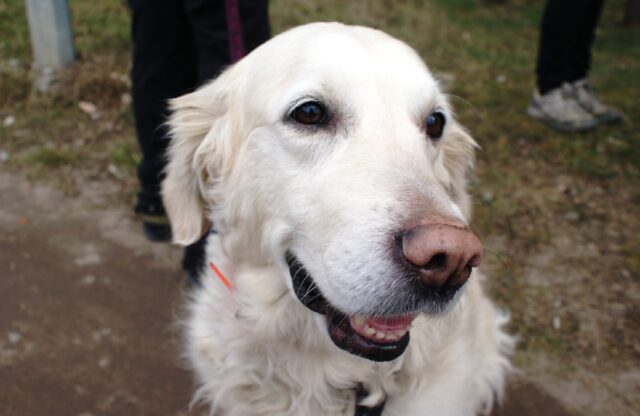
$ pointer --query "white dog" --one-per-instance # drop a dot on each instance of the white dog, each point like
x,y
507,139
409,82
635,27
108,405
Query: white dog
x,y
331,165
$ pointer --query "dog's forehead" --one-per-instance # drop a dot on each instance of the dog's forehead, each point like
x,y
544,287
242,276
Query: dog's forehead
x,y
322,44
340,57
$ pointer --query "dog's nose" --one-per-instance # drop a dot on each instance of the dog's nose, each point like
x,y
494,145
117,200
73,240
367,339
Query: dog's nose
x,y
442,253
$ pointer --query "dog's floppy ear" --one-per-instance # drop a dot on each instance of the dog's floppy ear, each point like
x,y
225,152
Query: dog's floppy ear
x,y
201,142
459,157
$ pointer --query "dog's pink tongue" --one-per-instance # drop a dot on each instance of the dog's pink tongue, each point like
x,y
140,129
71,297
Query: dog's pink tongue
x,y
391,323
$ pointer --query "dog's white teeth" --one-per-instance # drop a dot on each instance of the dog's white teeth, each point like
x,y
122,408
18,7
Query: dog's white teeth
x,y
360,323
392,337
359,320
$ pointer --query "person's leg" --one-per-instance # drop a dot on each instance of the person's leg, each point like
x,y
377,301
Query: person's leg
x,y
580,54
209,23
210,27
163,67
255,22
580,63
549,103
557,38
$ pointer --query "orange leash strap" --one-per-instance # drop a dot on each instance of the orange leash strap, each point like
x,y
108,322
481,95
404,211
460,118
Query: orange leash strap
x,y
223,279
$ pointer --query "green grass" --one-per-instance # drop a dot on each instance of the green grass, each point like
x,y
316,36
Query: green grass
x,y
14,33
101,27
125,155
55,158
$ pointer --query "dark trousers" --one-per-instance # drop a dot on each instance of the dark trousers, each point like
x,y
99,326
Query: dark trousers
x,y
177,46
566,37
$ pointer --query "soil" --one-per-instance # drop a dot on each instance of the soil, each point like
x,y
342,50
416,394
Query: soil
x,y
88,310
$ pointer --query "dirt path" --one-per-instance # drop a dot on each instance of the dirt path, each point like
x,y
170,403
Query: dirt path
x,y
86,312
84,322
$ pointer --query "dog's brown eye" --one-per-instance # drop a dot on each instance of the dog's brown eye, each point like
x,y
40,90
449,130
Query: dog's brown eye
x,y
435,124
310,113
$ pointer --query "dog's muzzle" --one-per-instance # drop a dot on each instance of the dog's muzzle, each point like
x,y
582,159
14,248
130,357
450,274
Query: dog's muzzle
x,y
373,338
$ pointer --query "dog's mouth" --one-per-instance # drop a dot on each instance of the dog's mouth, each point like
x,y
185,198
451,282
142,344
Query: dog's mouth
x,y
376,338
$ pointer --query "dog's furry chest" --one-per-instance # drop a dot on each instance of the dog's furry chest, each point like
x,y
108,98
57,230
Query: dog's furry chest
x,y
258,352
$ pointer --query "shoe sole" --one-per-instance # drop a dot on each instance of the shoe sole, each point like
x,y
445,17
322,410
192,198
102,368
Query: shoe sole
x,y
609,119
535,113
156,233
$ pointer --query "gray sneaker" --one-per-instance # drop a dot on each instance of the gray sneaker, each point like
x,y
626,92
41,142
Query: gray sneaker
x,y
560,111
581,91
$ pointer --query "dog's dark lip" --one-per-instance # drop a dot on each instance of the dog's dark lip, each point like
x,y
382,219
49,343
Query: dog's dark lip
x,y
304,287
338,324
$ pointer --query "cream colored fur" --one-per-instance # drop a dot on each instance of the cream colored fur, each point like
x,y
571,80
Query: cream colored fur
x,y
333,195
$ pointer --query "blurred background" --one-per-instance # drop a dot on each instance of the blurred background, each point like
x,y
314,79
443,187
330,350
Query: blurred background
x,y
86,303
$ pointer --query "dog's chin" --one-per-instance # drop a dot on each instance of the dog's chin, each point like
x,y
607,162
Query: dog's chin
x,y
376,338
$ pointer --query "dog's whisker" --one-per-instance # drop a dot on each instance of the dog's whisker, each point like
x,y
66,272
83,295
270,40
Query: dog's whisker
x,y
307,277
313,298
298,270
304,281
345,317
473,107
312,287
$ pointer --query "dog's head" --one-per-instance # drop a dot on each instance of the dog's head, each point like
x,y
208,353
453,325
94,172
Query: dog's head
x,y
331,152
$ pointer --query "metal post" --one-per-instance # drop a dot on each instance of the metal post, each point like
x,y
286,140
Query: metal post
x,y
51,34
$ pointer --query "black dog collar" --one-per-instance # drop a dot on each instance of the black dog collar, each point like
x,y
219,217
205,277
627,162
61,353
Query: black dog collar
x,y
361,393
